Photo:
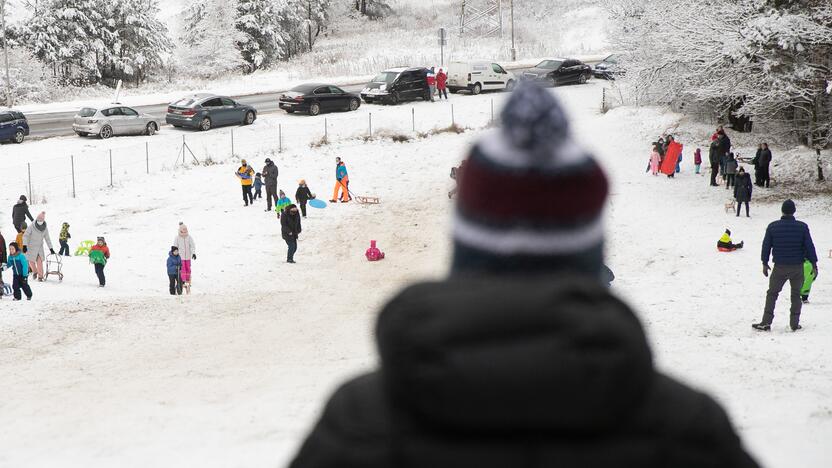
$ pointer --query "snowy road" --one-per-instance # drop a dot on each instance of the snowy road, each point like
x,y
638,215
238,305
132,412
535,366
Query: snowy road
x,y
235,374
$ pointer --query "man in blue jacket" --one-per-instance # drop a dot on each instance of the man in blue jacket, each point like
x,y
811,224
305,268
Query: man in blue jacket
x,y
789,242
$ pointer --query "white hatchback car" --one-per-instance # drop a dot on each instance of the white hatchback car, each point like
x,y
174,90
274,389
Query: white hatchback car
x,y
112,120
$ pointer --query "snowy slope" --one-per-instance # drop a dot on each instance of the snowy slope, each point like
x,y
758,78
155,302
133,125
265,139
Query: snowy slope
x,y
235,374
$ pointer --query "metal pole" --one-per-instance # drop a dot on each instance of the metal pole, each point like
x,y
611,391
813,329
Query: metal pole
x,y
279,138
111,168
183,151
513,50
326,132
147,156
232,142
492,110
371,124
453,121
72,161
413,117
29,168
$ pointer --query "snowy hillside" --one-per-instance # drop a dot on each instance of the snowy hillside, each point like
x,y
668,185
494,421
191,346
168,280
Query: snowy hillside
x,y
235,374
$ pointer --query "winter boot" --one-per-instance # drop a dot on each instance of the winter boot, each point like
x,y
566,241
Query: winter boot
x,y
761,327
799,327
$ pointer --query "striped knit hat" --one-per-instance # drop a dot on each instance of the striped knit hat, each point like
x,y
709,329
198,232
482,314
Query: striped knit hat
x,y
530,200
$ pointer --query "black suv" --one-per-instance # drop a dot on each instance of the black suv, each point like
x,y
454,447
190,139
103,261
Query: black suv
x,y
397,85
13,126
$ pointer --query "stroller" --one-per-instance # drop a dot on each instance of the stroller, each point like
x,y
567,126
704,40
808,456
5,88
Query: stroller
x,y
54,264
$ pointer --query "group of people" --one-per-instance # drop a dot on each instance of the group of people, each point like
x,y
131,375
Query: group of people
x,y
437,83
25,256
660,152
287,212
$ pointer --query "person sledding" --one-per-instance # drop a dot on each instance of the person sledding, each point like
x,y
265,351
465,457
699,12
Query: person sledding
x,y
726,245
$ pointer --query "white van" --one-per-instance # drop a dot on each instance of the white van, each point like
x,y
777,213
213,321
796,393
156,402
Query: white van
x,y
477,76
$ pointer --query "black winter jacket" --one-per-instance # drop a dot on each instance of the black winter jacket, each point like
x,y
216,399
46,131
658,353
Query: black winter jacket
x,y
269,174
20,212
743,187
487,373
3,254
765,158
303,195
290,224
714,154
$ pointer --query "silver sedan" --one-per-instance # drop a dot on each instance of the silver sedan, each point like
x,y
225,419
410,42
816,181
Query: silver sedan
x,y
114,120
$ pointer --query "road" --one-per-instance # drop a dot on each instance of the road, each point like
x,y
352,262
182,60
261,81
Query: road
x,y
47,125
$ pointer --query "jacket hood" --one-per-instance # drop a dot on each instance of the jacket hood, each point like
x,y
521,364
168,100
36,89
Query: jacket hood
x,y
479,354
183,230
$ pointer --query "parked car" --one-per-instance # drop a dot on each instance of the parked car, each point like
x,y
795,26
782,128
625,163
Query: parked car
x,y
206,111
608,68
114,119
315,98
397,85
479,76
13,126
553,72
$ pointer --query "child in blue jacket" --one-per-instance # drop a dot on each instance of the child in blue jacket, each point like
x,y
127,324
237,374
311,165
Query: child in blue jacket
x,y
20,271
174,267
258,186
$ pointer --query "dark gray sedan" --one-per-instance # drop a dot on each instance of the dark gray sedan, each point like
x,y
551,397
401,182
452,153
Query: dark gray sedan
x,y
205,111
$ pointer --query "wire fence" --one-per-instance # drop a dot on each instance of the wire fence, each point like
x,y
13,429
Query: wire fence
x,y
94,167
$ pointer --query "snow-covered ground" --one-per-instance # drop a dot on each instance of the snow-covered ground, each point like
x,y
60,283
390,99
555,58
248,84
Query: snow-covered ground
x,y
235,374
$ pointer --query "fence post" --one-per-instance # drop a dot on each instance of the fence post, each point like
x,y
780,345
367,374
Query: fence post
x,y
371,124
279,138
147,156
326,131
413,118
72,161
453,120
232,142
492,111
29,168
111,168
603,100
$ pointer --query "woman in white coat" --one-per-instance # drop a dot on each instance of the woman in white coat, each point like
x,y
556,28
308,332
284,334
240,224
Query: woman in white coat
x,y
33,239
187,251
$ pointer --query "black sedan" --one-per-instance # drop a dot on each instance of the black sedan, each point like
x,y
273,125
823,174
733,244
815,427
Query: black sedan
x,y
553,72
315,98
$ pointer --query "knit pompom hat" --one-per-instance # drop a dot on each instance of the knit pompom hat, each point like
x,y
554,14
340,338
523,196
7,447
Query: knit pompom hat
x,y
530,199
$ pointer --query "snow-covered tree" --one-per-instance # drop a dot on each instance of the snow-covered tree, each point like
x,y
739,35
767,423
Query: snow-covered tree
x,y
209,38
764,60
138,42
261,41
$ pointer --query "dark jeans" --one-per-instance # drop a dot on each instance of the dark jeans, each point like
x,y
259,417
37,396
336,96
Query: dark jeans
x,y
443,91
293,247
302,208
271,194
257,194
175,284
765,177
729,178
739,204
64,248
20,282
777,279
247,197
99,272
714,173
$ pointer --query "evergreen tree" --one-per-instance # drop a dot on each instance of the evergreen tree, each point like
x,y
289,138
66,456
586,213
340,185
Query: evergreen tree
x,y
260,40
138,42
210,39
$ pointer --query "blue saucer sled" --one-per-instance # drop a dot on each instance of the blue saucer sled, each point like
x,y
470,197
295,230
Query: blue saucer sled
x,y
315,203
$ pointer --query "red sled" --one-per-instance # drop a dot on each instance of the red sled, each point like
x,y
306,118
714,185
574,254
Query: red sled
x,y
671,157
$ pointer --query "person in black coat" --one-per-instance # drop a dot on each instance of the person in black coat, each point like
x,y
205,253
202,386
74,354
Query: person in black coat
x,y
20,212
714,158
270,173
290,230
303,195
742,190
3,259
522,357
765,163
756,163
